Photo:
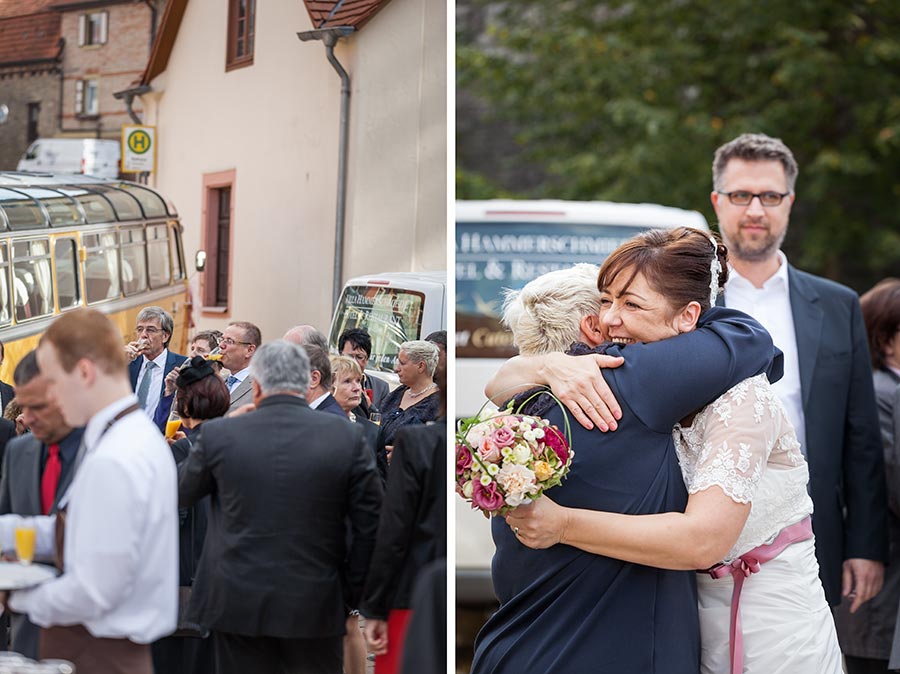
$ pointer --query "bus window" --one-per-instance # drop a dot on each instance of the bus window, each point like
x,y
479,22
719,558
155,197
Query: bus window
x,y
101,266
5,313
96,208
63,210
390,315
32,283
158,256
21,212
64,253
134,260
175,241
126,206
151,203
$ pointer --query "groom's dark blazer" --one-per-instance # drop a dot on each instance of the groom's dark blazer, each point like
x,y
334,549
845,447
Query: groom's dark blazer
x,y
843,443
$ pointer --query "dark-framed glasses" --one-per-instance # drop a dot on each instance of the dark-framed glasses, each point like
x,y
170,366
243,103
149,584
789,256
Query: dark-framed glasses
x,y
228,341
150,330
743,197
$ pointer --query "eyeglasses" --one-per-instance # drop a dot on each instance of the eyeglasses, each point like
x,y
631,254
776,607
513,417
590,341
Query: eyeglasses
x,y
150,330
743,197
228,341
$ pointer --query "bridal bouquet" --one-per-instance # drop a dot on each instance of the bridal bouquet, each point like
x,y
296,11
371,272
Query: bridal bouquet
x,y
508,460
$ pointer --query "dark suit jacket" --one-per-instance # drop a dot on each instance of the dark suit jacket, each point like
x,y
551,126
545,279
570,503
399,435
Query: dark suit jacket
x,y
284,480
7,433
20,493
846,463
330,405
173,360
7,393
412,530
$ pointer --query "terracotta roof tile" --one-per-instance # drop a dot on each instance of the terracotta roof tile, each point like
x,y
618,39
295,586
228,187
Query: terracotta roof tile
x,y
330,13
23,7
34,37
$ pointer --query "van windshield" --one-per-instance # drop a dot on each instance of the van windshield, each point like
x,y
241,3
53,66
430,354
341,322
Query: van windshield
x,y
391,316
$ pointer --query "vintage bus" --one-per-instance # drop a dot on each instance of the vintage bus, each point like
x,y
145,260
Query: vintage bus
x,y
70,241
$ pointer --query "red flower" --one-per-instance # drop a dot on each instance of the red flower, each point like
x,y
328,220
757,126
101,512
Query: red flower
x,y
463,458
555,441
486,498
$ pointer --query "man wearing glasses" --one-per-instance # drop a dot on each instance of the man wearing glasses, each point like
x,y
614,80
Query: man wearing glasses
x,y
827,385
237,345
152,360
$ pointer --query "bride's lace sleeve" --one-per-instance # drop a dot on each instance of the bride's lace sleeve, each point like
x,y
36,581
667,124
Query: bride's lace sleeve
x,y
731,439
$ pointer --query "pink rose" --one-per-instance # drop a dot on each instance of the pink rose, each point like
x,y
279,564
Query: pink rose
x,y
463,459
489,452
503,437
487,498
555,441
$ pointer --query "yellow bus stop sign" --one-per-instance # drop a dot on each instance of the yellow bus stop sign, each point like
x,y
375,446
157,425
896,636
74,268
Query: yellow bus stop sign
x,y
138,149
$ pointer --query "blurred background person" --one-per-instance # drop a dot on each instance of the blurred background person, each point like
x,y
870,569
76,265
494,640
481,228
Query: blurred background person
x,y
303,335
238,343
867,635
6,391
37,469
416,400
200,395
202,344
412,532
319,394
357,344
439,339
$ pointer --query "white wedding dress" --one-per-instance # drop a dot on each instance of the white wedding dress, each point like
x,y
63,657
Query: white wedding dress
x,y
745,444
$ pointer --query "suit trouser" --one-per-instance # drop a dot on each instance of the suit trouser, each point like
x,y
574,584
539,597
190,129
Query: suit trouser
x,y
94,655
237,654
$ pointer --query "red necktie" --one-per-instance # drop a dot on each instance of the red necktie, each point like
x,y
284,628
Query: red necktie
x,y
50,478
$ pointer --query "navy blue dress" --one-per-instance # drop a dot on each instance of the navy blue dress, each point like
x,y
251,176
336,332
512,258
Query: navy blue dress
x,y
568,611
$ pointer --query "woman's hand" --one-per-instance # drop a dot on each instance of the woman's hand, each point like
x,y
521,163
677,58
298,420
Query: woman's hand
x,y
170,382
540,524
578,382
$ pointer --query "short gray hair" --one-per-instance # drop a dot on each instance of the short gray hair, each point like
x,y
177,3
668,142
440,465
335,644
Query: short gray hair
x,y
306,334
280,366
421,351
755,147
166,322
545,315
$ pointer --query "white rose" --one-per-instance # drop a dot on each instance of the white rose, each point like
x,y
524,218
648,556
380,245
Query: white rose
x,y
467,489
521,453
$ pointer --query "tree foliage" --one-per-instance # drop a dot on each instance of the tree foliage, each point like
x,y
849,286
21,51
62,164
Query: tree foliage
x,y
627,101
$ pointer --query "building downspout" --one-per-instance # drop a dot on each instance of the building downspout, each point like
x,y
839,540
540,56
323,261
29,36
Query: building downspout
x,y
330,37
341,208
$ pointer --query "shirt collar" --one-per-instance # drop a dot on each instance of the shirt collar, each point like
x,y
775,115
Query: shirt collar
x,y
778,279
160,360
241,375
318,401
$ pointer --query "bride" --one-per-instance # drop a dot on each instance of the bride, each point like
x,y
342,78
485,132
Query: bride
x,y
762,609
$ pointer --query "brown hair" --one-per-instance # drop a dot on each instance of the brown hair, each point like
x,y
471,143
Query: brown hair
x,y
881,313
251,332
755,147
676,263
206,398
87,333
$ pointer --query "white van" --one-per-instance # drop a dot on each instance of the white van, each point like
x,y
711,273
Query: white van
x,y
393,307
90,156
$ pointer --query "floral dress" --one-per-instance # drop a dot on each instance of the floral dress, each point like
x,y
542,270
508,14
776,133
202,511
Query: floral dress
x,y
744,444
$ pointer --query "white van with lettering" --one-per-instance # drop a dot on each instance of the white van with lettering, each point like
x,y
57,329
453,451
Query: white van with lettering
x,y
393,307
91,156
504,244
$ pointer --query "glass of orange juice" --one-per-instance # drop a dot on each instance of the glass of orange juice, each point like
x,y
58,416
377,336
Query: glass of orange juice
x,y
173,423
25,537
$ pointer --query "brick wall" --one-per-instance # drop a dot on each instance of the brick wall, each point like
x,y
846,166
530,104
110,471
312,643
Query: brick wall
x,y
117,65
18,88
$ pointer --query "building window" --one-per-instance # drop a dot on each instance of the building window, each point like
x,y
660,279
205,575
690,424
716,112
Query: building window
x,y
92,28
87,99
217,232
241,29
34,115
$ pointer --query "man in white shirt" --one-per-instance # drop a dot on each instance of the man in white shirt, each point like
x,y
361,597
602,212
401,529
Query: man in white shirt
x,y
118,589
152,361
238,343
827,384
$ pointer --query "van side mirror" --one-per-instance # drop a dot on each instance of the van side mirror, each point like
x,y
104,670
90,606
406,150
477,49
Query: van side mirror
x,y
200,260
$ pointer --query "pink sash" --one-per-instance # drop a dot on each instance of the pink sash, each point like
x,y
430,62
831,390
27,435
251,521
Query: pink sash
x,y
747,564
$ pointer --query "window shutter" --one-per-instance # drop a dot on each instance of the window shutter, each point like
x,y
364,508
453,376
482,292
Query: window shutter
x,y
82,27
79,96
104,17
